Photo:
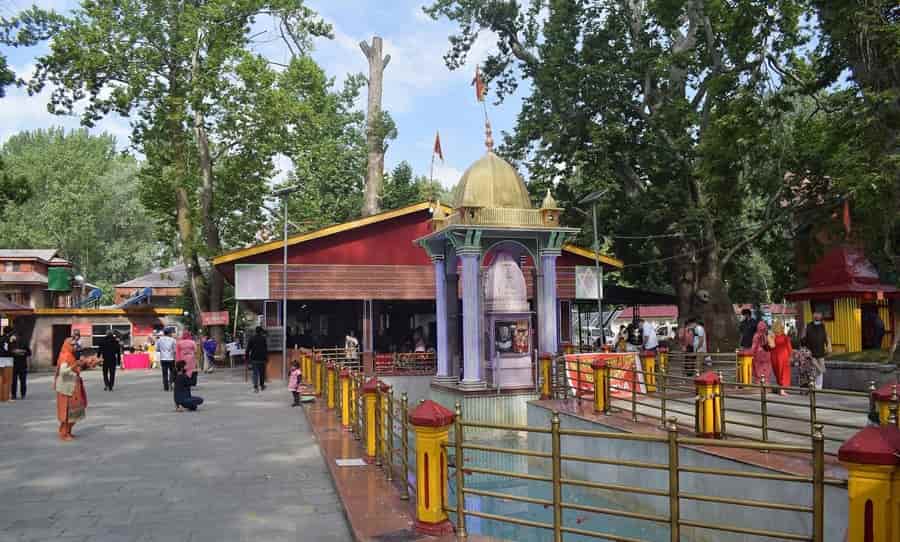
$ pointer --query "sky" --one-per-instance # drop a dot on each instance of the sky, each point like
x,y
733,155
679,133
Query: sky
x,y
421,94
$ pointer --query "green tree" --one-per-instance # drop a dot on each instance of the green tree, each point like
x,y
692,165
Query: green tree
x,y
197,95
674,107
400,189
84,202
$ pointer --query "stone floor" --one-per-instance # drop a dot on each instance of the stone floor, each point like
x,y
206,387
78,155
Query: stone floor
x,y
244,467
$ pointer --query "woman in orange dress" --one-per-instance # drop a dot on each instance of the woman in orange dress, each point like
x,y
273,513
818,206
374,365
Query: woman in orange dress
x,y
71,399
781,357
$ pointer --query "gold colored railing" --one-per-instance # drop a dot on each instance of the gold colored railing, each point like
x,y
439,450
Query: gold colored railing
x,y
677,394
406,363
675,496
340,357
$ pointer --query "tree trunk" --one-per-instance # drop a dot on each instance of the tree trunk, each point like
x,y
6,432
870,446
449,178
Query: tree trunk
x,y
374,131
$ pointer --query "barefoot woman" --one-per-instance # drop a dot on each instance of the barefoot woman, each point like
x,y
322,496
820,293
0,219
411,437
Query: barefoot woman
x,y
71,399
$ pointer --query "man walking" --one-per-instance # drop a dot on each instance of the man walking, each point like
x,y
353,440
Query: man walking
x,y
111,352
258,355
209,351
747,329
651,341
815,338
165,346
18,348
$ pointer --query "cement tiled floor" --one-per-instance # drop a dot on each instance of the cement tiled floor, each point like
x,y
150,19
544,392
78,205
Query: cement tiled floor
x,y
244,467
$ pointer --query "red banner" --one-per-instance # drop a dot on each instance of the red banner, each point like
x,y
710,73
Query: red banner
x,y
143,330
214,318
624,373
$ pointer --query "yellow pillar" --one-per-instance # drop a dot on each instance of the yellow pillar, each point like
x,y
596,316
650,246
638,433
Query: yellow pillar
x,y
568,348
873,486
546,376
307,368
745,366
431,422
709,405
345,399
884,397
370,399
330,375
601,385
663,359
353,410
648,364
317,375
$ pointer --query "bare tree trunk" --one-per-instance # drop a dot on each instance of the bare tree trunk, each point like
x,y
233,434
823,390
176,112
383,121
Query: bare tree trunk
x,y
374,131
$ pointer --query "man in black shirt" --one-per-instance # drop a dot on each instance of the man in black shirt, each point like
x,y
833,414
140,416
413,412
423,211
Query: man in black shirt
x,y
111,352
747,328
815,337
258,355
18,348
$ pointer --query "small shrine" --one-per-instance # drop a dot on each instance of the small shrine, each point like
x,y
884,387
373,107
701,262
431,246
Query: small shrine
x,y
493,224
856,307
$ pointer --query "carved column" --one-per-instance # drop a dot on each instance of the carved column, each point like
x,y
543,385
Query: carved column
x,y
547,317
472,377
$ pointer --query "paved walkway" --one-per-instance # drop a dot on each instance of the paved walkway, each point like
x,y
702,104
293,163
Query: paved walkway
x,y
244,467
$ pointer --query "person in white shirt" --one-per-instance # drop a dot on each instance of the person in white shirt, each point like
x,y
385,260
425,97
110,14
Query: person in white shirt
x,y
649,334
165,346
699,337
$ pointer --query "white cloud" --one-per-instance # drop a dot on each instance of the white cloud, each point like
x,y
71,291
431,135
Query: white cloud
x,y
446,174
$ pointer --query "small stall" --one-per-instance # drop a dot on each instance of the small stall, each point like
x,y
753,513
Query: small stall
x,y
857,308
8,312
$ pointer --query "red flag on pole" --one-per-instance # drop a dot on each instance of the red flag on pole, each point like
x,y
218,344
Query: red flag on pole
x,y
437,146
847,227
479,85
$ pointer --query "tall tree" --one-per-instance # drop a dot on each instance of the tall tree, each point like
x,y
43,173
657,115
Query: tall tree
x,y
185,73
84,202
672,106
374,128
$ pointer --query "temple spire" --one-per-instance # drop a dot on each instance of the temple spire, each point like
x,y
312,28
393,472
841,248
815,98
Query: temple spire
x,y
488,136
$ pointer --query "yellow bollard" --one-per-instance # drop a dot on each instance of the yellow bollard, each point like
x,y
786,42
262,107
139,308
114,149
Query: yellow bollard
x,y
873,485
317,375
370,398
663,359
745,366
354,407
568,348
345,399
546,376
307,368
648,364
601,385
709,405
431,422
330,375
884,397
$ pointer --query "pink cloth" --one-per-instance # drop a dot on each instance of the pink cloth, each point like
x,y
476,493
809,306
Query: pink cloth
x,y
136,361
186,351
762,357
294,382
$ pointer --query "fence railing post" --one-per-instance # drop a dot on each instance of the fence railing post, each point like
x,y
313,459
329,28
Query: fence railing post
x,y
379,423
721,406
330,385
663,384
404,445
358,405
812,406
601,386
556,453
764,409
460,475
345,399
674,502
389,433
546,363
431,423
634,387
818,441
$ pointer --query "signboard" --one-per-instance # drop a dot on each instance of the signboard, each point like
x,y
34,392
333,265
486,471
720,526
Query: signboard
x,y
624,373
586,282
274,338
85,328
251,281
214,318
144,330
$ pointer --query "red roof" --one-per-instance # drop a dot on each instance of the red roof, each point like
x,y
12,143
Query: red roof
x,y
431,414
843,271
873,446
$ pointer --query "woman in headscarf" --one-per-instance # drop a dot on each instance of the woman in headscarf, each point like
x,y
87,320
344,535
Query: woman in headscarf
x,y
781,357
762,357
71,399
186,351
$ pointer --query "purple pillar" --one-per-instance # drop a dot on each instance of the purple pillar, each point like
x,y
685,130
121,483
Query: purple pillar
x,y
471,321
547,328
440,305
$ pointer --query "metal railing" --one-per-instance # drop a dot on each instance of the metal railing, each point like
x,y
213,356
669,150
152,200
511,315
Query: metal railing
x,y
340,357
752,411
672,493
406,363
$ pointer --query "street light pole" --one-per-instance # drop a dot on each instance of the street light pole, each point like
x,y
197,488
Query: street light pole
x,y
592,198
283,194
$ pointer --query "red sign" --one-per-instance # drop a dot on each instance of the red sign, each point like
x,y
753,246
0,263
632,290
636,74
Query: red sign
x,y
624,373
84,328
214,318
142,330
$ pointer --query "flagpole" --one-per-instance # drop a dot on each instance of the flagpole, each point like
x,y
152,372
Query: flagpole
x,y
431,176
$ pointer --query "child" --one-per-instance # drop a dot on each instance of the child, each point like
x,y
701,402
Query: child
x,y
183,398
294,382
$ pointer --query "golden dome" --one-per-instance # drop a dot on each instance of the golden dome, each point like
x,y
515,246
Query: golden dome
x,y
549,202
492,182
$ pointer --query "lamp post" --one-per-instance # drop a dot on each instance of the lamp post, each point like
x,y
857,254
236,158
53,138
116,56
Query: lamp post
x,y
592,198
283,194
